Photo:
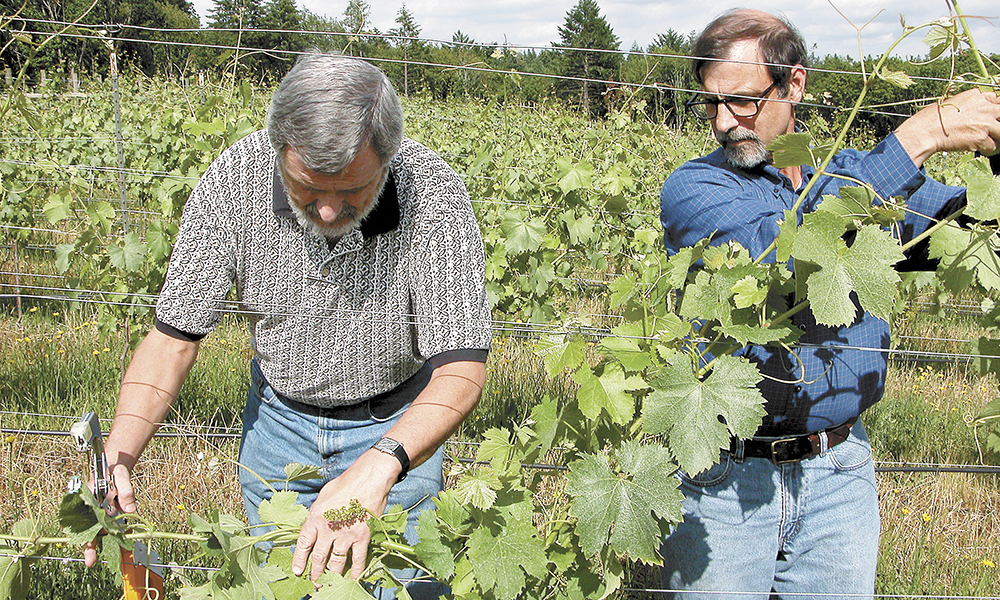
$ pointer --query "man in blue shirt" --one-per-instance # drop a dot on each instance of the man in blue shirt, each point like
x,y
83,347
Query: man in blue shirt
x,y
799,515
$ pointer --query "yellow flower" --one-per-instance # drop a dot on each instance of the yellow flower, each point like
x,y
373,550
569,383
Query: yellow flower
x,y
55,314
27,339
10,439
33,309
181,507
107,350
989,563
905,511
926,517
183,486
95,352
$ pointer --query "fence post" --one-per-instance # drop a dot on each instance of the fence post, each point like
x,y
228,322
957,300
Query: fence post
x,y
118,138
74,83
8,77
41,75
201,84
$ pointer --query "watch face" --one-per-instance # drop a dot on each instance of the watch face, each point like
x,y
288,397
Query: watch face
x,y
387,445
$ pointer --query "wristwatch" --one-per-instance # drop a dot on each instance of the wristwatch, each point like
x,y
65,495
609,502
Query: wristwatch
x,y
391,446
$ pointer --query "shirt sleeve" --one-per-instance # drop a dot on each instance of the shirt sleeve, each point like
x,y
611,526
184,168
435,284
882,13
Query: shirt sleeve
x,y
448,271
202,264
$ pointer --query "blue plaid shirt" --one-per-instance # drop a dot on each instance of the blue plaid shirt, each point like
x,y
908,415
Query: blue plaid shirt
x,y
835,383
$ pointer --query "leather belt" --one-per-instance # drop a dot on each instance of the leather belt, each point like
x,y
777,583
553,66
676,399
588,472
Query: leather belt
x,y
794,448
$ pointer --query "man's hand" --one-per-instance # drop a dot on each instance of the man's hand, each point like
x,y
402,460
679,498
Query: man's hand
x,y
963,123
121,496
368,480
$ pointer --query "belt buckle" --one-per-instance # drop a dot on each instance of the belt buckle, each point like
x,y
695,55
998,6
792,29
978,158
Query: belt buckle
x,y
774,451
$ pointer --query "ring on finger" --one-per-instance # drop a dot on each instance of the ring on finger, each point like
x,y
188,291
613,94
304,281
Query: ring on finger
x,y
340,554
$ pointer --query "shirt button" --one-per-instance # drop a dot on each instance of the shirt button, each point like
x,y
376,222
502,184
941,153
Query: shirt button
x,y
798,389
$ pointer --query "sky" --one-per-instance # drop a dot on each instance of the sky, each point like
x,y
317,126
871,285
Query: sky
x,y
534,23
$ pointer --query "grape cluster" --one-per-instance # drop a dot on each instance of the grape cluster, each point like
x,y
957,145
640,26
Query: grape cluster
x,y
345,516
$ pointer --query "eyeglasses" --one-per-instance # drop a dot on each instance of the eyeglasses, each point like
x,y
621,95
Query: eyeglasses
x,y
740,106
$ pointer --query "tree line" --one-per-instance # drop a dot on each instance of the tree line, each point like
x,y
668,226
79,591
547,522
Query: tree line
x,y
586,68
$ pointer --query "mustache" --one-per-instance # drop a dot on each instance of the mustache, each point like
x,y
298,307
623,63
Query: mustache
x,y
736,135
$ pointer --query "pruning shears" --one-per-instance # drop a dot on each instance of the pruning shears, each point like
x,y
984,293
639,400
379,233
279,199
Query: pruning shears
x,y
142,572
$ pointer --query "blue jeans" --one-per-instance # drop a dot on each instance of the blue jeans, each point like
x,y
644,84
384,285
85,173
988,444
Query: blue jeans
x,y
275,435
752,527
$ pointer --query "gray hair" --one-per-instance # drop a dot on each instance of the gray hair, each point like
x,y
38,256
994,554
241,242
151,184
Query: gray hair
x,y
328,107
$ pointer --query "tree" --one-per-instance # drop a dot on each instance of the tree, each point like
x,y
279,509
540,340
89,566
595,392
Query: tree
x,y
407,34
357,20
586,28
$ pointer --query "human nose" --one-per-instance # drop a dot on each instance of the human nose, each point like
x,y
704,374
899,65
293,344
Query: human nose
x,y
329,207
725,119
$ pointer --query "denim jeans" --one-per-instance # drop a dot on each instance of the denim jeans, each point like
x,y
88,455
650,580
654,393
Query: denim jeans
x,y
275,435
751,527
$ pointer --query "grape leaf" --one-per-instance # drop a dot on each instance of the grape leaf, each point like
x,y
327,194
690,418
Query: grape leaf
x,y
15,574
281,509
57,208
338,587
792,150
574,177
988,348
897,78
299,472
627,352
561,352
607,391
616,505
432,550
865,268
128,253
964,253
478,488
521,235
288,586
982,190
689,410
501,559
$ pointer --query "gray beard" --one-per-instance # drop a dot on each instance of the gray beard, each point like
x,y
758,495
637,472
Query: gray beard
x,y
307,219
746,155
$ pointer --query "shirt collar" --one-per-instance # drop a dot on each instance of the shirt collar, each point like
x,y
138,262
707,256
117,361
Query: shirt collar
x,y
383,219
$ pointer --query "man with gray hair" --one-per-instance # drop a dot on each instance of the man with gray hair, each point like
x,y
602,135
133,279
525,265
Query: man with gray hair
x,y
359,267
794,510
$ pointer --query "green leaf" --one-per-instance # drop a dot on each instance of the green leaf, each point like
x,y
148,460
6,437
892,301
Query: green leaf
x,y
501,559
63,254
689,410
581,229
432,550
288,586
982,190
299,472
616,505
561,352
896,78
159,239
575,176
786,236
965,253
57,208
748,292
608,392
338,587
478,488
281,509
627,352
988,348
15,574
128,253
499,450
522,235
865,268
792,150
101,214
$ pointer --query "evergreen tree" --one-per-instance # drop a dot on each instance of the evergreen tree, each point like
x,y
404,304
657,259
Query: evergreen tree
x,y
407,40
281,18
586,28
357,20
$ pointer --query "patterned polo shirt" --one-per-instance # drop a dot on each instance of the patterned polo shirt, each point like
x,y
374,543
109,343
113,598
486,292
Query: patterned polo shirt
x,y
332,324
